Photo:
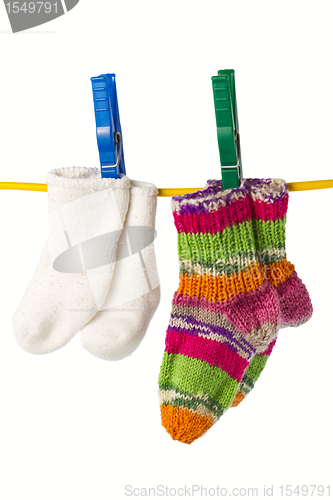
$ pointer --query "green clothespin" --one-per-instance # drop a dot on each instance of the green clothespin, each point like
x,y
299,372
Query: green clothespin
x,y
227,127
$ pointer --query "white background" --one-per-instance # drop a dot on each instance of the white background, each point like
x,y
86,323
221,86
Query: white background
x,y
73,426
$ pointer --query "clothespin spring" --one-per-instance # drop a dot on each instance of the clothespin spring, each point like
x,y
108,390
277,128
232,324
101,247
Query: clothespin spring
x,y
117,138
238,155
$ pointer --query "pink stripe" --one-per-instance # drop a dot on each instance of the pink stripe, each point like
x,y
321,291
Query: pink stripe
x,y
271,211
215,221
211,351
239,211
246,311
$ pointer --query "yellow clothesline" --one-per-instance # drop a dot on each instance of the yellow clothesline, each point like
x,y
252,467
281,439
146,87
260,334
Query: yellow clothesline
x,y
293,186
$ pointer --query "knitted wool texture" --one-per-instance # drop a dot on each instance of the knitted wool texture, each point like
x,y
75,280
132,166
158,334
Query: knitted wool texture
x,y
269,219
225,310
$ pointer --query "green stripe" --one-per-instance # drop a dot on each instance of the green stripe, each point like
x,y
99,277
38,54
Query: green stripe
x,y
270,234
256,366
246,385
197,377
212,247
194,402
251,239
237,240
253,373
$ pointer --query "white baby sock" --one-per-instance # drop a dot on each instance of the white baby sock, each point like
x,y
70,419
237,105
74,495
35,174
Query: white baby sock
x,y
73,277
117,330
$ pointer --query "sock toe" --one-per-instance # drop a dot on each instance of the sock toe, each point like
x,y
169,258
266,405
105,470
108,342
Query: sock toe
x,y
237,399
104,347
184,425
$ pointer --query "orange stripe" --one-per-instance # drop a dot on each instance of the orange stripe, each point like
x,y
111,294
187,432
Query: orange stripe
x,y
278,272
221,288
184,425
237,399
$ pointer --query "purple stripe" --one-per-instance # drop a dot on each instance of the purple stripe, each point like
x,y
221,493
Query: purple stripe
x,y
213,188
245,346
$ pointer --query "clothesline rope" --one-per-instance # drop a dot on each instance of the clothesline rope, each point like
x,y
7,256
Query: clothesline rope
x,y
293,186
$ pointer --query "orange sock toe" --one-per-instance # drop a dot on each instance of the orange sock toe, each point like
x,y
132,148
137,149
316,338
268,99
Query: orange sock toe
x,y
184,425
237,399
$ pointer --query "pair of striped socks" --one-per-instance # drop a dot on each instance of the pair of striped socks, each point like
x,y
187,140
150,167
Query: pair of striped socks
x,y
236,290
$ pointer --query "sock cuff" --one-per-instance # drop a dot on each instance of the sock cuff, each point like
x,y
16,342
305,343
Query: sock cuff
x,y
86,178
212,210
139,188
212,197
269,197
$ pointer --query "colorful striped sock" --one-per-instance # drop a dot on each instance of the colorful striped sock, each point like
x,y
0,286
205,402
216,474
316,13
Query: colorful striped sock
x,y
269,221
224,312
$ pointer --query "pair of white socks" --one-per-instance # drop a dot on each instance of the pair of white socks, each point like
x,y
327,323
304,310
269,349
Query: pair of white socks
x,y
97,272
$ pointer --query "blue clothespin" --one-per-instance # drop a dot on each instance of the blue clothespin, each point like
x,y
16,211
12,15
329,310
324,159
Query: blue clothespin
x,y
108,129
227,128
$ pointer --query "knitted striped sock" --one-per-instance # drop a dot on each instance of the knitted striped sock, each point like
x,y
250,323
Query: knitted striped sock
x,y
270,231
224,312
269,221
